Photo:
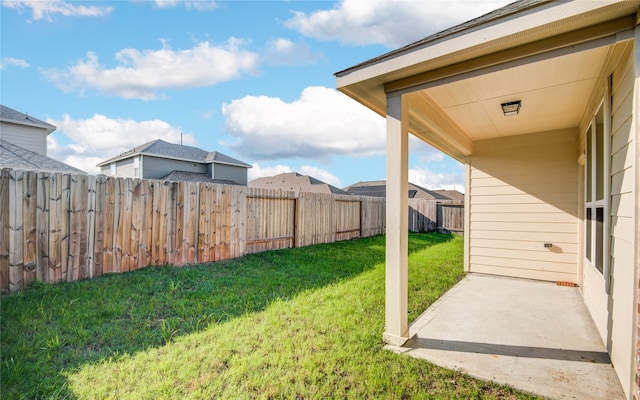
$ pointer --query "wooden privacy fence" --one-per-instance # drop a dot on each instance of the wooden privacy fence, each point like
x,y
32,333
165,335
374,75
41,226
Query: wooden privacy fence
x,y
278,219
436,216
60,227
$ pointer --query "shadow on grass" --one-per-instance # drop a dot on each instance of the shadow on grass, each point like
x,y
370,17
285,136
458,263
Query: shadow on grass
x,y
49,329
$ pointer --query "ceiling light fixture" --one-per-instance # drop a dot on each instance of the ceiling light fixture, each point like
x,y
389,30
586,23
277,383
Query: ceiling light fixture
x,y
511,108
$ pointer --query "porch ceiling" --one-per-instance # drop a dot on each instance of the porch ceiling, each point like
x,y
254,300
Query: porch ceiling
x,y
554,95
555,92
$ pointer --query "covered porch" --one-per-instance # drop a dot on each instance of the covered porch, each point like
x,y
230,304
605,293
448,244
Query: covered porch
x,y
539,101
534,336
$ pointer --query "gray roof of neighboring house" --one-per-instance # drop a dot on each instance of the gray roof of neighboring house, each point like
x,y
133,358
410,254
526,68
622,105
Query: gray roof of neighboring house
x,y
185,176
10,115
160,148
16,157
379,189
219,158
509,9
452,194
295,182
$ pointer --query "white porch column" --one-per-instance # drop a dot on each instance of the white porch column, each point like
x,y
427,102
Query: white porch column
x,y
397,214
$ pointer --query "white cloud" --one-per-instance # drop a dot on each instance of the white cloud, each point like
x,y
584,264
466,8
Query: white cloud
x,y
140,74
423,150
322,123
45,9
98,138
285,52
13,62
425,177
199,5
321,174
259,171
392,23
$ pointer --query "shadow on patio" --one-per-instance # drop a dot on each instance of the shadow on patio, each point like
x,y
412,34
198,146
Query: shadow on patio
x,y
532,335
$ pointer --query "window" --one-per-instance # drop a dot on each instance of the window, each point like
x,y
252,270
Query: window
x,y
113,168
596,188
136,167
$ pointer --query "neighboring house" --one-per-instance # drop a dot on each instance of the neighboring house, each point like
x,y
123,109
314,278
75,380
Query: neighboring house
x,y
295,182
23,143
540,101
379,189
451,194
162,160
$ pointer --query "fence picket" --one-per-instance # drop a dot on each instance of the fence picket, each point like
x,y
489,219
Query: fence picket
x,y
42,226
109,226
16,237
91,225
4,230
137,227
29,221
100,224
77,214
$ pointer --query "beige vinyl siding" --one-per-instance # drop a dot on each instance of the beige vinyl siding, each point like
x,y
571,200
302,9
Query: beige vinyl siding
x,y
623,244
156,167
523,193
124,168
27,137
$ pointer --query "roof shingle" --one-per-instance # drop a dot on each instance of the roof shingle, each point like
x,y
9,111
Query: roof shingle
x,y
161,148
16,157
10,115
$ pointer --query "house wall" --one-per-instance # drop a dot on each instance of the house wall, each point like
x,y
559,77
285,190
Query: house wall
x,y
614,308
230,173
156,167
523,193
124,168
623,206
30,138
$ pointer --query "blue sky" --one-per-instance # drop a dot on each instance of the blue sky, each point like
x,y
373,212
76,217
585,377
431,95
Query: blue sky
x,y
251,79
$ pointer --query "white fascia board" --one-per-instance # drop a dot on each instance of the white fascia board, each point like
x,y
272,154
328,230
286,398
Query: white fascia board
x,y
116,159
124,157
453,47
231,164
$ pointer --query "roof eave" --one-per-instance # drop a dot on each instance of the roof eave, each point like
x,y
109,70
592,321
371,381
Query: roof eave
x,y
494,34
229,163
142,153
48,128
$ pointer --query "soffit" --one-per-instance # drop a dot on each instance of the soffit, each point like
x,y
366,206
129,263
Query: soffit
x,y
554,95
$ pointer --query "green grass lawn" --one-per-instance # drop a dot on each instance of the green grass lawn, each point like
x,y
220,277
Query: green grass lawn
x,y
300,323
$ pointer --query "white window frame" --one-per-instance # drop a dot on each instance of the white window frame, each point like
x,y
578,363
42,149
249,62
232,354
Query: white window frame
x,y
603,203
136,167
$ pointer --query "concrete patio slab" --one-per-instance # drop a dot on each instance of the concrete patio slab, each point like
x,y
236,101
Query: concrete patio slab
x,y
534,336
